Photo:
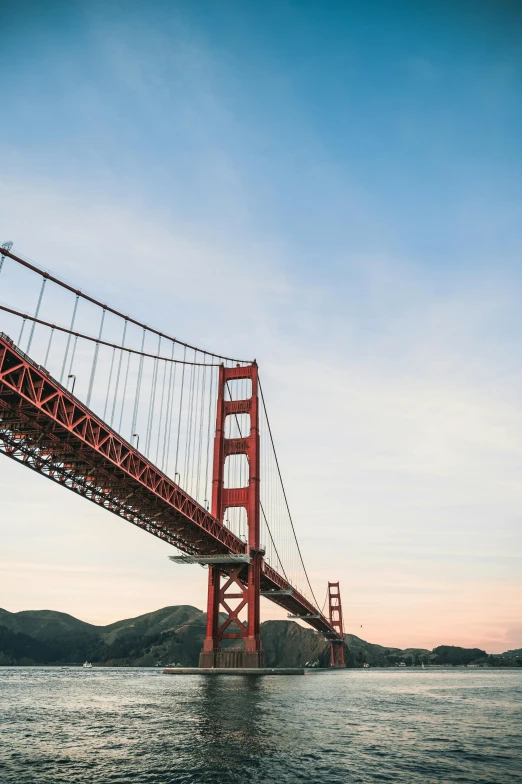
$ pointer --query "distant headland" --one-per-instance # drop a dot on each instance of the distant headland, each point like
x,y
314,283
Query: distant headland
x,y
174,635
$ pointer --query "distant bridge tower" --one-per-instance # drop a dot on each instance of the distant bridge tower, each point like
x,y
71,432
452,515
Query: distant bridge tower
x,y
336,620
236,583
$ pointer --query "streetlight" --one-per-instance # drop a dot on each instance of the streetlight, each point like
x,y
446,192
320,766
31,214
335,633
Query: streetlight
x,y
206,503
135,435
71,375
177,474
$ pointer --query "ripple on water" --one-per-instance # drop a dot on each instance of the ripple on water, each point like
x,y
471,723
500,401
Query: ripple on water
x,y
114,726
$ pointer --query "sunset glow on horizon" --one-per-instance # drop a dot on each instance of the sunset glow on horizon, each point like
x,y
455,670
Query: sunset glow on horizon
x,y
338,193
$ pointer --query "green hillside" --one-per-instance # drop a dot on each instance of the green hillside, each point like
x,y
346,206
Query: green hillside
x,y
175,635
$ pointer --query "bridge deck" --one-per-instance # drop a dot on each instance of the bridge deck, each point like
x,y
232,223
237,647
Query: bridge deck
x,y
43,426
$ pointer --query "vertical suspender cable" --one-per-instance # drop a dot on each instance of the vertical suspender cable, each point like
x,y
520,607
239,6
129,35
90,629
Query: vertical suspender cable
x,y
109,384
186,462
201,416
21,334
195,459
207,488
158,439
179,417
118,374
168,420
69,337
124,391
48,348
197,376
44,281
138,389
95,360
152,402
73,354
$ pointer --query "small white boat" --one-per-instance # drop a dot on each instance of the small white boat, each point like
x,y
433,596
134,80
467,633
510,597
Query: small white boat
x,y
87,666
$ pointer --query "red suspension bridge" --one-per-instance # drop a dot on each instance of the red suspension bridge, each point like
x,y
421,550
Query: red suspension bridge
x,y
174,439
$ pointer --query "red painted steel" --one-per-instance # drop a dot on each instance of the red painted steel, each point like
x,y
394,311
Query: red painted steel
x,y
335,615
44,427
46,423
243,581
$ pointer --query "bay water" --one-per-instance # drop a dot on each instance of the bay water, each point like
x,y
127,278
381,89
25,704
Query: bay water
x,y
110,726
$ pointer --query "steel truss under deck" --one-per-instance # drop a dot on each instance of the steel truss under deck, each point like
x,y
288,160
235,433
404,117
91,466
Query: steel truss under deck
x,y
43,426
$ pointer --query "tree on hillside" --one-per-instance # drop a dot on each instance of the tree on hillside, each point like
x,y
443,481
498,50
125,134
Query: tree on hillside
x,y
452,654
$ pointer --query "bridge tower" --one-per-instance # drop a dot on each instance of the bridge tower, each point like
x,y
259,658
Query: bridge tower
x,y
336,620
236,583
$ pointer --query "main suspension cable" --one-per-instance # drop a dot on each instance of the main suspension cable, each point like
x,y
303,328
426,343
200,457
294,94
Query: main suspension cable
x,y
284,495
108,308
26,316
260,504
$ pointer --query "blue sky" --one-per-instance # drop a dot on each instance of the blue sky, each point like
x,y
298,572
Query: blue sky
x,y
335,188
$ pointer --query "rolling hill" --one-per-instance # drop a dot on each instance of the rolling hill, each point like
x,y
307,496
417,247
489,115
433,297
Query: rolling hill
x,y
175,635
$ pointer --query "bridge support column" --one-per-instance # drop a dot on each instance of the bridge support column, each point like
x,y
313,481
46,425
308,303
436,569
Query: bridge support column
x,y
226,584
336,620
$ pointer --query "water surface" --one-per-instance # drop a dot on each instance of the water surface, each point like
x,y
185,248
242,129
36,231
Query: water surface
x,y
104,726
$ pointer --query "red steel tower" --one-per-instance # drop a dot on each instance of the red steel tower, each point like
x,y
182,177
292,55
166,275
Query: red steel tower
x,y
336,620
239,580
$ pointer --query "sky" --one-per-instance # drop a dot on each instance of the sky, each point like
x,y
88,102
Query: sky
x,y
335,189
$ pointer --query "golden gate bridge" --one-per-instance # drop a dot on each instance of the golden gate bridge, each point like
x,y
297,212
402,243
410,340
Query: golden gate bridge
x,y
171,438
